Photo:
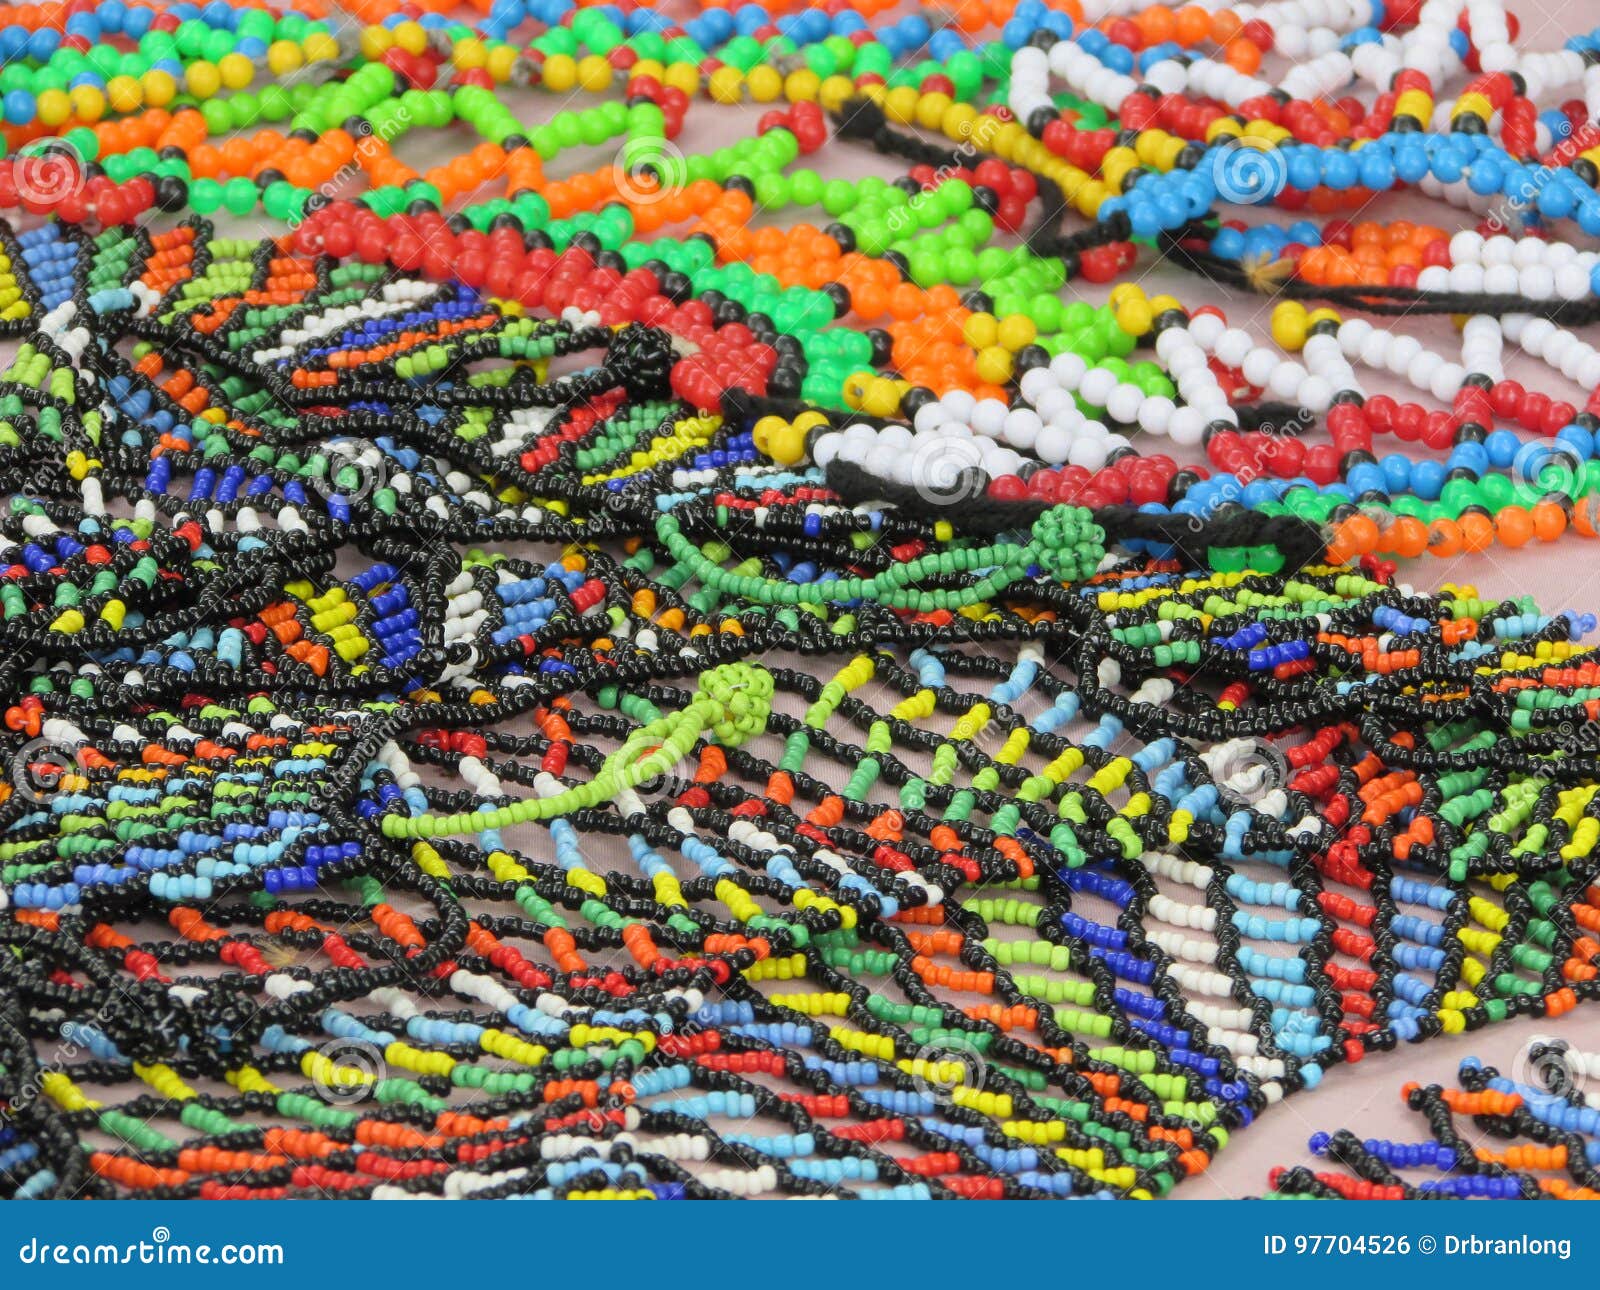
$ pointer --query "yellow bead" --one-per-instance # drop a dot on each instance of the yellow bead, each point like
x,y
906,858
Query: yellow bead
x,y
901,104
320,47
801,86
202,79
1323,315
957,121
683,76
763,430
236,71
469,54
411,37
1289,325
994,365
835,92
595,73
375,42
159,87
855,388
787,447
284,56
882,398
980,330
502,60
765,83
1015,331
122,92
53,107
1135,317
560,73
726,85
1164,304
930,110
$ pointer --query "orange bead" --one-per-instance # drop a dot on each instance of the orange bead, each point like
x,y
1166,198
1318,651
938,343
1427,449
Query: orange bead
x,y
1549,521
1360,534
1513,526
1445,538
1156,24
1193,24
1407,537
1242,55
1225,26
1477,531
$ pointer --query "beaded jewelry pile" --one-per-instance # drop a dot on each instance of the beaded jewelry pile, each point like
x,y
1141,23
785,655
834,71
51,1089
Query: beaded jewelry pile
x,y
697,677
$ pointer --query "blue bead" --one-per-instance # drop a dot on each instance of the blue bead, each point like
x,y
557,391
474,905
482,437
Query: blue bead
x,y
1502,445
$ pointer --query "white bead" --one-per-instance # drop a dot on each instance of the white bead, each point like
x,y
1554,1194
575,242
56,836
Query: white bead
x,y
1497,250
1204,329
1537,282
1527,252
1068,369
1232,346
1285,380
1096,386
1259,365
1446,381
1315,393
1088,453
1352,335
1035,381
1124,403
989,417
1187,427
1156,414
1052,402
959,405
1572,282
1500,280
1053,445
1022,428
